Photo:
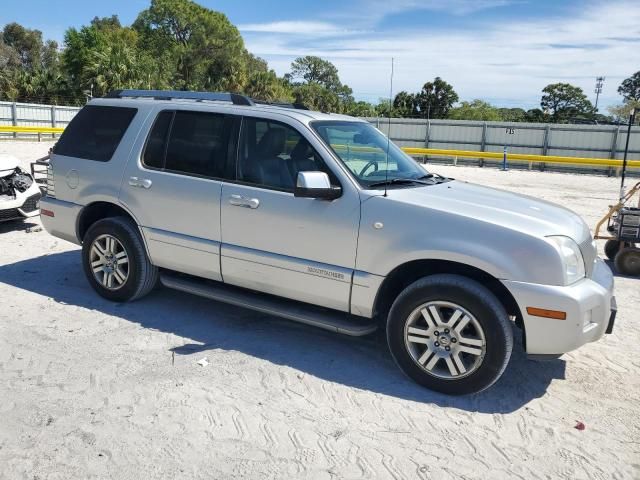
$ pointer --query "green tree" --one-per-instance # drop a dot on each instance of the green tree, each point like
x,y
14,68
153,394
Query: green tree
x,y
312,69
436,99
30,69
200,46
535,115
359,109
565,102
405,105
383,107
513,114
26,43
475,110
116,66
316,97
268,87
621,113
316,84
630,88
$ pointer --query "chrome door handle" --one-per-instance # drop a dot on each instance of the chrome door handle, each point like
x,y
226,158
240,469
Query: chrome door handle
x,y
246,202
140,182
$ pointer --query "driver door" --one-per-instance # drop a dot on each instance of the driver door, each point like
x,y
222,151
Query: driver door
x,y
273,242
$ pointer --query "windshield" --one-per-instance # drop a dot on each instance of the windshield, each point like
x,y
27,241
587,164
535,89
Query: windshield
x,y
363,149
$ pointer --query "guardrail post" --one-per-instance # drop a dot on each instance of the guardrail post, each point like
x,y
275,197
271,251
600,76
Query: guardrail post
x,y
545,142
483,141
14,117
53,119
426,139
504,159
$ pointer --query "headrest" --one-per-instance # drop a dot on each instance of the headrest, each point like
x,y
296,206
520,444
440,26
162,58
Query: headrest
x,y
301,150
272,142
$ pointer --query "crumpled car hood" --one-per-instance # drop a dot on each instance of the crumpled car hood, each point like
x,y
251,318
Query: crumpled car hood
x,y
8,164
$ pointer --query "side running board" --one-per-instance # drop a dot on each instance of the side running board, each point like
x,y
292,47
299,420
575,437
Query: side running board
x,y
324,318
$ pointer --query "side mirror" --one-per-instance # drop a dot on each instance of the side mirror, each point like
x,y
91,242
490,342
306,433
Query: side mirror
x,y
315,185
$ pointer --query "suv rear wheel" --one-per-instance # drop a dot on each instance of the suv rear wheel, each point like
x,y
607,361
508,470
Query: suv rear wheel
x,y
115,261
450,334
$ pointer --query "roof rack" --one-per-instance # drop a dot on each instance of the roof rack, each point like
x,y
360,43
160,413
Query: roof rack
x,y
296,105
234,98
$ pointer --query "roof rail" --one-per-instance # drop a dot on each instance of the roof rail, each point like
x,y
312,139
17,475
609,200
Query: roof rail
x,y
234,98
296,105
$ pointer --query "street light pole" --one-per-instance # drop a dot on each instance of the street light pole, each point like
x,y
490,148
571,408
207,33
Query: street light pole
x,y
598,90
632,118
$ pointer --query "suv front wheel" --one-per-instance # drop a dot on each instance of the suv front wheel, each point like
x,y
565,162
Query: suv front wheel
x,y
450,334
115,261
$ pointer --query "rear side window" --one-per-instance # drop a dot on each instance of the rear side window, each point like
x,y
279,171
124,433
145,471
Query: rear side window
x,y
95,132
194,143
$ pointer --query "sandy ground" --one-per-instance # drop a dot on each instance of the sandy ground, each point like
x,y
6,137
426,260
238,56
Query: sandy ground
x,y
92,389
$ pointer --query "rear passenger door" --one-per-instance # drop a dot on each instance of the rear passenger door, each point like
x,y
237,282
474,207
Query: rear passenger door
x,y
172,186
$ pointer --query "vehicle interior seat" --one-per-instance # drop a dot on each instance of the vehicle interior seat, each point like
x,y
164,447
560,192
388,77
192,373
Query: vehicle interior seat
x,y
266,167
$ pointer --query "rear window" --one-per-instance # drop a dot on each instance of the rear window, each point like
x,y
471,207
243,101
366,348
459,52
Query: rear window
x,y
95,132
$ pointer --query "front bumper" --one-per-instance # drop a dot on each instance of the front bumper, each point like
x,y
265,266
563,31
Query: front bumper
x,y
589,305
24,205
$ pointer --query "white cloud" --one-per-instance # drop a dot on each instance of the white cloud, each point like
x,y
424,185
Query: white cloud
x,y
506,63
298,28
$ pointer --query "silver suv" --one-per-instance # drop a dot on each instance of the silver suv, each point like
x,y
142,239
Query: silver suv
x,y
318,218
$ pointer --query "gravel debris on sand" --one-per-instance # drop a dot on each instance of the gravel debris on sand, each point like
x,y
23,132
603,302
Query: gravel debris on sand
x,y
93,389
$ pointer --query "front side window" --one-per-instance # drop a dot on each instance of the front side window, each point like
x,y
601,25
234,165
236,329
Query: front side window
x,y
272,153
194,143
95,132
363,149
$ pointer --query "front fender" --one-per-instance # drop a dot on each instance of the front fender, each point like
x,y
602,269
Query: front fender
x,y
413,232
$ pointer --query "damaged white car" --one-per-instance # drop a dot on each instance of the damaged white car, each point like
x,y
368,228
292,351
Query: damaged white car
x,y
19,193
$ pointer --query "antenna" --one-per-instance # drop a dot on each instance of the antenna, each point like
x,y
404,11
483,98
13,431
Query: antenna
x,y
386,168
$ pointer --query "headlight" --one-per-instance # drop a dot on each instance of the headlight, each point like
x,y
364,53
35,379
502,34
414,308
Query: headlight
x,y
573,263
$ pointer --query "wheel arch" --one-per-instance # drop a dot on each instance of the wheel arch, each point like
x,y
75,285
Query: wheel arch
x,y
100,210
404,275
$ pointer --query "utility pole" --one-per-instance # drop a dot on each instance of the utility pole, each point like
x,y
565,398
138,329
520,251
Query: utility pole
x,y
598,90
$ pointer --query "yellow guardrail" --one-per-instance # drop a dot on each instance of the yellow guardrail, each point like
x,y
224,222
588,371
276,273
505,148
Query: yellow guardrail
x,y
14,129
521,157
435,152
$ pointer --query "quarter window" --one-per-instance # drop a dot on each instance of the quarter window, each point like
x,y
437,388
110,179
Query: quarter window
x,y
157,143
95,132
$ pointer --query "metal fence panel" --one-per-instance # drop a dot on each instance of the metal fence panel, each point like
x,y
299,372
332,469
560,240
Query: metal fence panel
x,y
595,141
34,115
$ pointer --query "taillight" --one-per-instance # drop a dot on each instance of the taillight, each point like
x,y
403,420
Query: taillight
x,y
51,184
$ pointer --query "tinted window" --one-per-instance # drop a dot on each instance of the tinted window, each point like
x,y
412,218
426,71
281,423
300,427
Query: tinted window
x,y
198,144
272,154
156,145
95,132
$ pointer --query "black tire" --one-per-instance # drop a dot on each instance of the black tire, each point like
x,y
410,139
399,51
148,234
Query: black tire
x,y
142,275
627,261
478,301
611,248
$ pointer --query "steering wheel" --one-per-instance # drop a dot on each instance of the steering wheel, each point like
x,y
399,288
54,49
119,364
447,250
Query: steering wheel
x,y
368,165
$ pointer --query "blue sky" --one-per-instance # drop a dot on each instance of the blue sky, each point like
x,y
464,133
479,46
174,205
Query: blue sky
x,y
502,51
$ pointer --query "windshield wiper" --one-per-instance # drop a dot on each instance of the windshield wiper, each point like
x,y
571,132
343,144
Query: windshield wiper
x,y
436,177
400,181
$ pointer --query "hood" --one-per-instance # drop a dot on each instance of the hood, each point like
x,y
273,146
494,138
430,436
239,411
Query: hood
x,y
511,210
8,164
